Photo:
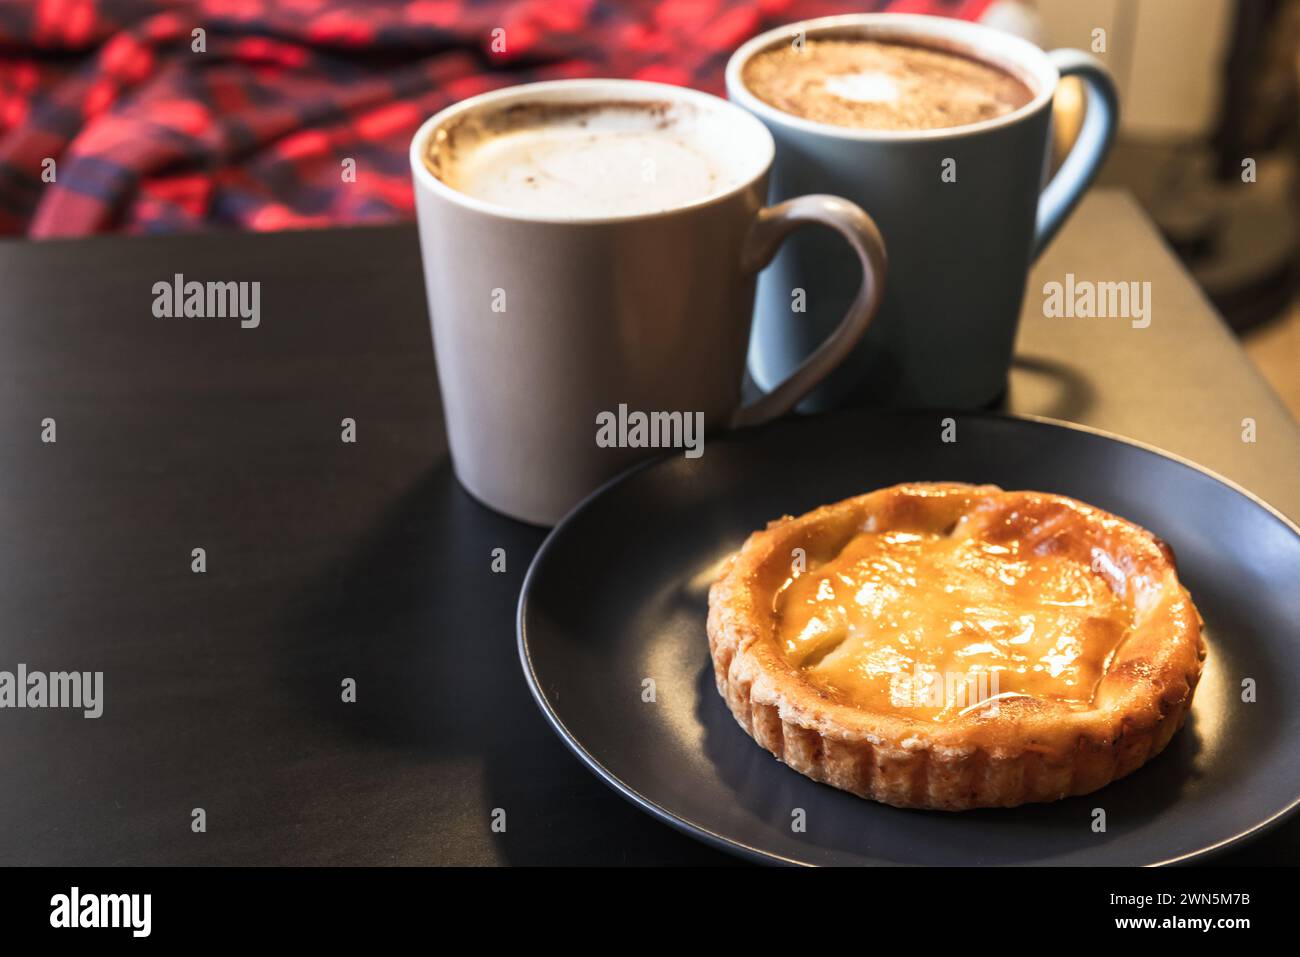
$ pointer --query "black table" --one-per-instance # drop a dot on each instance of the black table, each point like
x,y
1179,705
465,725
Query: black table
x,y
326,560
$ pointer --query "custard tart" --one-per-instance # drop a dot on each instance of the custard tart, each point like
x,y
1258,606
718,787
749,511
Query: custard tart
x,y
952,646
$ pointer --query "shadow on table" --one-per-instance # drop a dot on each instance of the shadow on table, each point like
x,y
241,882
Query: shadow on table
x,y
1071,394
417,616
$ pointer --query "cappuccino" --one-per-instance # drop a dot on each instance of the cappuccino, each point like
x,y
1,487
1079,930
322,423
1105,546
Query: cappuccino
x,y
588,159
872,85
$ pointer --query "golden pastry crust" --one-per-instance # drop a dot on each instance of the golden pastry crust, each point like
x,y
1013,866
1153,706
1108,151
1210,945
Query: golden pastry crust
x,y
1028,748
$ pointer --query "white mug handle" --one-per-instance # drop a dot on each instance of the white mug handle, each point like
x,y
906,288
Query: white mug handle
x,y
771,226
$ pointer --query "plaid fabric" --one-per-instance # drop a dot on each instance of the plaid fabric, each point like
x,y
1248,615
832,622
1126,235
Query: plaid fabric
x,y
113,119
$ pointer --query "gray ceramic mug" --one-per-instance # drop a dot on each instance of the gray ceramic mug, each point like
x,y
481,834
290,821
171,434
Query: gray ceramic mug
x,y
959,250
647,312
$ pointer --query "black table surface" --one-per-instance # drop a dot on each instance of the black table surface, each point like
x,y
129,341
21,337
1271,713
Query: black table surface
x,y
326,561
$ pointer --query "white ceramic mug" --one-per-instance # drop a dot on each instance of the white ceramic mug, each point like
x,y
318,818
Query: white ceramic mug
x,y
959,247
647,312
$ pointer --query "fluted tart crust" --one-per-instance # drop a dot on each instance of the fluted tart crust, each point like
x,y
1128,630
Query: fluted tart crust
x,y
951,646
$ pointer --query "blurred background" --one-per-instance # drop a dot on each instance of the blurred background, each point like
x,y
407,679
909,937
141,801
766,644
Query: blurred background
x,y
1208,145
146,116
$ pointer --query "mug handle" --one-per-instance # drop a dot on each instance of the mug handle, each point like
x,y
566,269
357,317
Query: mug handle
x,y
771,226
1090,148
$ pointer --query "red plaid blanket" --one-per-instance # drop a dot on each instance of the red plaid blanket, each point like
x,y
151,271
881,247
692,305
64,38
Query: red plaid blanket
x,y
156,116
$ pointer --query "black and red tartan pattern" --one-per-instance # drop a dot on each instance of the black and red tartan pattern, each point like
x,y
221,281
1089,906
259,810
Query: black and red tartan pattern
x,y
111,121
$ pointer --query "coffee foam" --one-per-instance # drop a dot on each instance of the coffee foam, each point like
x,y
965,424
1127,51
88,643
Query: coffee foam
x,y
893,86
590,159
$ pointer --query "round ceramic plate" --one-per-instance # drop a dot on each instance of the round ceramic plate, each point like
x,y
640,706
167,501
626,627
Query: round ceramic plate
x,y
611,634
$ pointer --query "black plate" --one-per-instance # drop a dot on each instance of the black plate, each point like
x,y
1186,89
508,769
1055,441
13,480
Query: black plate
x,y
617,595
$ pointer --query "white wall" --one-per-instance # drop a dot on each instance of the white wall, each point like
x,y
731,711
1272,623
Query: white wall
x,y
1167,56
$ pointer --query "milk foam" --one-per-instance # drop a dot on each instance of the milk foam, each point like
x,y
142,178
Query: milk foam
x,y
591,160
873,87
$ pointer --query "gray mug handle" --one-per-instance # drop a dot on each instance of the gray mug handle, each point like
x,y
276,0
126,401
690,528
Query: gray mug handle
x,y
1095,138
771,226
